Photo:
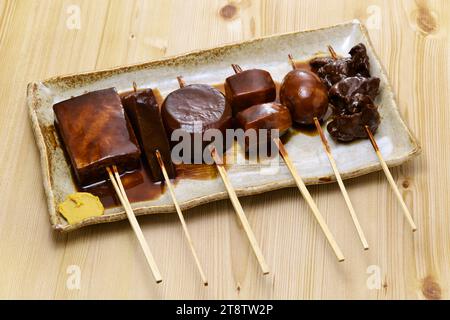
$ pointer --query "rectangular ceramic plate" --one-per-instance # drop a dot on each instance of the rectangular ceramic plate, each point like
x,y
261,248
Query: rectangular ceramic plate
x,y
211,67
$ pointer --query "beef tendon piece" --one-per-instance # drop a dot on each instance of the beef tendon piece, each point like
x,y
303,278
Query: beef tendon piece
x,y
248,88
318,62
341,93
331,71
143,112
350,126
196,103
265,116
96,134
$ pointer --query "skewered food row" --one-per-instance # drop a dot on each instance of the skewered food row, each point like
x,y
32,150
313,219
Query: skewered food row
x,y
103,134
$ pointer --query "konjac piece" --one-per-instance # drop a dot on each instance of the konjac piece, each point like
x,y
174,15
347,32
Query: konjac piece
x,y
96,134
248,88
265,116
143,112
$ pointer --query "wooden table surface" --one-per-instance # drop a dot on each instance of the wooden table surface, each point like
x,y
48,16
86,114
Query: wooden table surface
x,y
40,39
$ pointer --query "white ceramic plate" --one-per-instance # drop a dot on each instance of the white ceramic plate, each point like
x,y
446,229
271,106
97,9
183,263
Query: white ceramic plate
x,y
212,66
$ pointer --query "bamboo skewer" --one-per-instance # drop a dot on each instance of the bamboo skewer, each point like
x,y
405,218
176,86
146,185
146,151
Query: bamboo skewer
x,y
341,185
390,179
118,187
332,52
177,206
240,212
309,200
181,217
235,201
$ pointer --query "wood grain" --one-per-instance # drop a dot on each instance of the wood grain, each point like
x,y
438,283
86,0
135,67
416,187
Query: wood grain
x,y
413,41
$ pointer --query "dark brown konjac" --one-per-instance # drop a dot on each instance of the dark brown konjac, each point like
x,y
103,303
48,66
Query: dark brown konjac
x,y
249,87
268,116
351,94
305,96
196,108
143,112
96,134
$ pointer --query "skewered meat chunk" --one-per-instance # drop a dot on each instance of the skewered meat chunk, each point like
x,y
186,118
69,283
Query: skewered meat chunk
x,y
96,134
331,71
341,93
196,104
305,96
143,112
265,116
249,87
350,125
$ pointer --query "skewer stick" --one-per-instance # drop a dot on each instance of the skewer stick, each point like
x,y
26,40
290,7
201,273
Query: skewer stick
x,y
240,212
291,60
332,52
390,179
180,215
309,199
117,183
236,68
181,82
326,146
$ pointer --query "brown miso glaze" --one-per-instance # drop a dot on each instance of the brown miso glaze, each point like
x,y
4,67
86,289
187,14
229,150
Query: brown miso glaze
x,y
140,187
137,183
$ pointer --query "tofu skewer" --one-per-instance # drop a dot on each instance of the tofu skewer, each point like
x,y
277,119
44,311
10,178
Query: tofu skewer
x,y
285,156
144,113
99,139
332,161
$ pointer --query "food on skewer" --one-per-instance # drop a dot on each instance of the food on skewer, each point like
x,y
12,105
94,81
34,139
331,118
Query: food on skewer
x,y
355,115
350,125
351,93
98,138
247,88
305,95
263,115
333,69
270,115
196,103
202,103
96,134
300,107
143,112
341,94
